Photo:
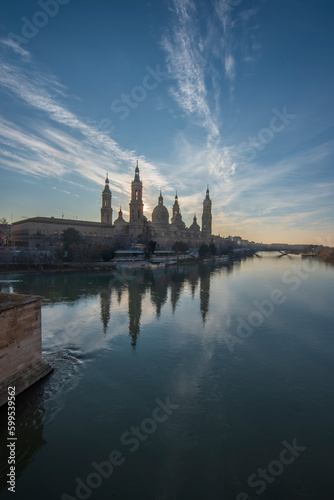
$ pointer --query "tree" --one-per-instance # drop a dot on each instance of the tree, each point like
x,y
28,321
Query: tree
x,y
107,253
70,236
150,249
203,251
5,231
180,246
213,249
152,246
77,252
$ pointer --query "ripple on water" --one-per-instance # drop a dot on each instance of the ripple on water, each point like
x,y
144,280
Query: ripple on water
x,y
64,379
39,404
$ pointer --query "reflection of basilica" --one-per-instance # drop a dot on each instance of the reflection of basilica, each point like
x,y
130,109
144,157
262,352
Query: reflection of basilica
x,y
176,285
157,283
204,290
105,301
136,291
159,291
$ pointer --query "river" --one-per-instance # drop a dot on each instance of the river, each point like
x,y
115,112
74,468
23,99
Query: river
x,y
192,382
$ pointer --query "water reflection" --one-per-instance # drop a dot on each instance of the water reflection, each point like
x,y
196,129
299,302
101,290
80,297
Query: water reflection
x,y
205,276
35,408
29,431
162,333
105,301
136,291
159,291
111,290
160,285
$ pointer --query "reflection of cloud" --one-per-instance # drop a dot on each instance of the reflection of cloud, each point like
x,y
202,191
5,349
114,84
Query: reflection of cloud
x,y
82,326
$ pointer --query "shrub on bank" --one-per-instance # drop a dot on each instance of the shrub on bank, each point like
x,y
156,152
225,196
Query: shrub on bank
x,y
327,255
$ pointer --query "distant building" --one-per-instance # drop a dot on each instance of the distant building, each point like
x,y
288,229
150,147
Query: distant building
x,y
42,232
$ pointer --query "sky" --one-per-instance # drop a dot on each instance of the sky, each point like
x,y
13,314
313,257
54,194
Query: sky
x,y
234,94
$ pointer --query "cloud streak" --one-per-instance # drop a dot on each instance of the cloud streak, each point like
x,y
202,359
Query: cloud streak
x,y
186,65
190,48
57,142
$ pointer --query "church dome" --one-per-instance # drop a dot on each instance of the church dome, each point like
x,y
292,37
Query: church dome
x,y
120,221
178,222
194,226
160,213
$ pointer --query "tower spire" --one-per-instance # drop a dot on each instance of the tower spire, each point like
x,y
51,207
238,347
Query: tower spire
x,y
207,216
137,173
106,210
136,203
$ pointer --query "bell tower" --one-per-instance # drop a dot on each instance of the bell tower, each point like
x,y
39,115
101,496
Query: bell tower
x,y
176,208
136,204
207,217
106,210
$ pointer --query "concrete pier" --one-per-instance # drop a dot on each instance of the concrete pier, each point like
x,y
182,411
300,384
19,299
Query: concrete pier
x,y
21,361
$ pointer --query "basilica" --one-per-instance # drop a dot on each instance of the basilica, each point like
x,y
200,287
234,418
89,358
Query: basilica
x,y
141,230
45,232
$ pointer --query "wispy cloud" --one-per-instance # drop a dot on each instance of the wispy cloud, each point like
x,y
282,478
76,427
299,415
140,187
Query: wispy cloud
x,y
186,65
7,42
54,141
243,43
196,90
281,197
190,47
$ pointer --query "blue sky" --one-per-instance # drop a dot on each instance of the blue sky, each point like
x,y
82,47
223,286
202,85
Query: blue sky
x,y
237,94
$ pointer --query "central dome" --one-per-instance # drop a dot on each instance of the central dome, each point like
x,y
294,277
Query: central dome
x,y
160,214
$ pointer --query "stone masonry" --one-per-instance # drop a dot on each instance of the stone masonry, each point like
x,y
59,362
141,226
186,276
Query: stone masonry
x,y
21,361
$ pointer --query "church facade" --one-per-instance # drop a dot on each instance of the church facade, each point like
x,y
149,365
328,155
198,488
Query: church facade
x,y
43,232
140,230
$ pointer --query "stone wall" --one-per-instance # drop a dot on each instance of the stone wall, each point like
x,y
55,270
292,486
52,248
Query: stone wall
x,y
21,361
